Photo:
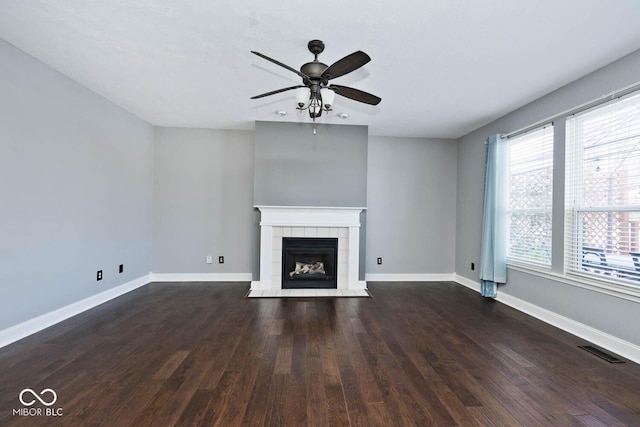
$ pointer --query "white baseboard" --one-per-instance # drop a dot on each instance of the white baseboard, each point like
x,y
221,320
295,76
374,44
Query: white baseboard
x,y
31,326
201,277
467,282
621,347
409,277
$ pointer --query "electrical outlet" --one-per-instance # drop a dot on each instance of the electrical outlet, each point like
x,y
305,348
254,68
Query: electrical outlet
x,y
379,261
121,268
473,266
209,259
220,260
99,275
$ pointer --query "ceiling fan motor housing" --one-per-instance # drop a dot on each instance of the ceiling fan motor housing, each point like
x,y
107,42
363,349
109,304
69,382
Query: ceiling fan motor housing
x,y
314,70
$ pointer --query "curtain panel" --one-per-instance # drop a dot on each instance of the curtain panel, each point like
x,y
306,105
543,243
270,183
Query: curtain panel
x,y
493,255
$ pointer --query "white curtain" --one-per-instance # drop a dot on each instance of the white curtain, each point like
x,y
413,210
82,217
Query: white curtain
x,y
493,255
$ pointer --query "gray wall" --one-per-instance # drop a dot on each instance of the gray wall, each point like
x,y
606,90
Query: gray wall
x,y
609,314
75,188
203,201
293,167
411,205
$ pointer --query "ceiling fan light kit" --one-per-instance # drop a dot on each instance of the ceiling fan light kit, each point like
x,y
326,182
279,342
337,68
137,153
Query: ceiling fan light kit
x,y
316,95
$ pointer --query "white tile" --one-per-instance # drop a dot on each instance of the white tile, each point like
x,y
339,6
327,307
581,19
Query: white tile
x,y
343,243
276,255
277,232
343,257
343,268
355,293
333,232
323,231
297,232
271,292
343,281
286,231
310,232
307,293
298,292
277,243
343,232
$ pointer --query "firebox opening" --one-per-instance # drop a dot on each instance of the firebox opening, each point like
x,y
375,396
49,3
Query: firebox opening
x,y
309,263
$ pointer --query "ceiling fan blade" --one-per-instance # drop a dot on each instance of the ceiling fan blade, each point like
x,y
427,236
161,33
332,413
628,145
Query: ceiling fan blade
x,y
346,65
305,78
356,95
275,91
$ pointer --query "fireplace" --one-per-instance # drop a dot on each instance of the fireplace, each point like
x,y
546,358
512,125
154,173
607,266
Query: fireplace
x,y
279,223
309,263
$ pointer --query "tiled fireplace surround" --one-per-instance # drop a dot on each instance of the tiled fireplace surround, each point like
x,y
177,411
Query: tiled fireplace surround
x,y
277,222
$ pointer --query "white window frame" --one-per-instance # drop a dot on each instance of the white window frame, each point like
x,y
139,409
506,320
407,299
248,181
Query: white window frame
x,y
606,273
543,136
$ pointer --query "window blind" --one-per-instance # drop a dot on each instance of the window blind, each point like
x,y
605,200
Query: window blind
x,y
530,196
602,192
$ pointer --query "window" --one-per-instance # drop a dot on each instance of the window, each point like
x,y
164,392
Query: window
x,y
530,196
602,204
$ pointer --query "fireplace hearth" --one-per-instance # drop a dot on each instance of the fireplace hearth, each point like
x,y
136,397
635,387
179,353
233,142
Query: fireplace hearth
x,y
309,263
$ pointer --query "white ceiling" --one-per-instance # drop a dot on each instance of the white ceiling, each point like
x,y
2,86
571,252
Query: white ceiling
x,y
442,68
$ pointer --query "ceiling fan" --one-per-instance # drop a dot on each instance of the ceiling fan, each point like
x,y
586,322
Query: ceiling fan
x,y
315,94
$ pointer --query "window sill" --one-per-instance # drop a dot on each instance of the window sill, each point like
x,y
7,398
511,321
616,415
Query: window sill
x,y
612,289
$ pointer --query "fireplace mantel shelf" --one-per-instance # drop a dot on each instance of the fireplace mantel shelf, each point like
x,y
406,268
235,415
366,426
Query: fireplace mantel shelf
x,y
325,208
309,216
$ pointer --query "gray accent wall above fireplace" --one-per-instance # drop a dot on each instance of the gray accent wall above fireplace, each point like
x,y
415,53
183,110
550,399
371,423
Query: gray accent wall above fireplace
x,y
293,167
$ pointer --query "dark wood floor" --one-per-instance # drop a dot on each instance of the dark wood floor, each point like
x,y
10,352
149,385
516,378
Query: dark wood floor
x,y
414,354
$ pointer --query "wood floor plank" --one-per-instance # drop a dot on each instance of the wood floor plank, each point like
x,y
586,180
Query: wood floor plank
x,y
414,354
317,404
295,406
337,408
352,393
171,365
283,361
257,402
276,398
196,409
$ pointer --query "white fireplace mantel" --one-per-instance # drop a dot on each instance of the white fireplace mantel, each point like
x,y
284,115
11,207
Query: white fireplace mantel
x,y
277,222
